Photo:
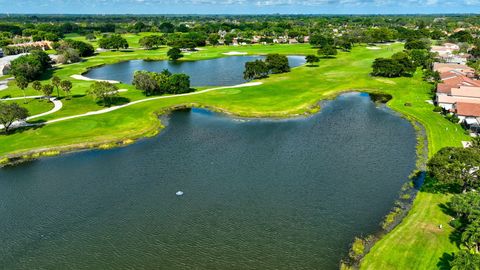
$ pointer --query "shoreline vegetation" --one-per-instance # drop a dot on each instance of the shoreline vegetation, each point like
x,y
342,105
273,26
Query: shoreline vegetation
x,y
294,94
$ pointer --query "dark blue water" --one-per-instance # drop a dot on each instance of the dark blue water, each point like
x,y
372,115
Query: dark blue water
x,y
258,194
215,72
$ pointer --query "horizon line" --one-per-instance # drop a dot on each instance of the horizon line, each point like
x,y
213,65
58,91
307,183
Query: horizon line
x,y
245,14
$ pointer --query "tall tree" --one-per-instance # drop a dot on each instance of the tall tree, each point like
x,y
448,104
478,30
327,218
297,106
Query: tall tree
x,y
458,166
56,83
66,86
312,59
174,54
103,91
277,63
37,86
255,70
213,39
22,83
9,113
47,90
143,80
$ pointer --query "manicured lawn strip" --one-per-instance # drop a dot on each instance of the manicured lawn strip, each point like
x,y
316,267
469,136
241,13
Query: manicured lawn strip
x,y
34,106
132,39
282,95
418,242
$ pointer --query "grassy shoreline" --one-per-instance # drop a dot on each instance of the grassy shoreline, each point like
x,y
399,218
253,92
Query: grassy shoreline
x,y
285,95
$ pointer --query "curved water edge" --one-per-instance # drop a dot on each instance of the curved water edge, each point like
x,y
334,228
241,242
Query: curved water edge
x,y
214,122
222,71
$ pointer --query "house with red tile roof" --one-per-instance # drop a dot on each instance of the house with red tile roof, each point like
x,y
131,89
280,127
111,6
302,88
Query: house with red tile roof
x,y
453,67
467,110
457,87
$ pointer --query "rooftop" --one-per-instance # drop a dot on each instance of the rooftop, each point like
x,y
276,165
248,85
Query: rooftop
x,y
467,109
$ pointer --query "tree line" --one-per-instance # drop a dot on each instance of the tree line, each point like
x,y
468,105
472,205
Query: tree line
x,y
457,170
416,54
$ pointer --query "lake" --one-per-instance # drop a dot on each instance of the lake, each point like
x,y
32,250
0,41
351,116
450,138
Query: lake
x,y
223,71
258,194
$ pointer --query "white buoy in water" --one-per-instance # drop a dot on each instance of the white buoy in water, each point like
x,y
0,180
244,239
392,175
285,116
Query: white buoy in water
x,y
179,193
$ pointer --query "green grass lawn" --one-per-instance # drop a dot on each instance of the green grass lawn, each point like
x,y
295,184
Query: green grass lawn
x,y
414,244
34,106
418,242
132,39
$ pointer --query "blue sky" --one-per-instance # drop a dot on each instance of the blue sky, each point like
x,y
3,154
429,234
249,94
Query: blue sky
x,y
239,6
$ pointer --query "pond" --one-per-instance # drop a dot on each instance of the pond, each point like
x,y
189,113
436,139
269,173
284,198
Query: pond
x,y
215,72
257,194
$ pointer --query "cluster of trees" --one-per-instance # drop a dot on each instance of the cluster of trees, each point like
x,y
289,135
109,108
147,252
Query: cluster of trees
x,y
84,49
113,42
10,113
189,40
416,54
400,64
153,83
46,89
30,67
273,63
458,168
72,51
152,41
327,45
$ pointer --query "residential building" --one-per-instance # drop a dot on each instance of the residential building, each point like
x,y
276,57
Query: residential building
x,y
459,93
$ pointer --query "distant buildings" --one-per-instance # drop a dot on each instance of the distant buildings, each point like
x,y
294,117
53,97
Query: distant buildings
x,y
459,92
44,45
449,52
262,39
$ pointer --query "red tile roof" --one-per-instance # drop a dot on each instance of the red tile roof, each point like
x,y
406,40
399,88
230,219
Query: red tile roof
x,y
467,109
455,82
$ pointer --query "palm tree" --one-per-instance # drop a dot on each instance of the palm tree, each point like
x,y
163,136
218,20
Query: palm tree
x,y
66,87
56,82
22,83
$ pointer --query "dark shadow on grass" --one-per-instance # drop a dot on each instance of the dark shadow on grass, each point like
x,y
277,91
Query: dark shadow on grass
x,y
444,263
37,122
48,74
78,96
312,65
456,237
447,210
23,129
431,185
115,102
